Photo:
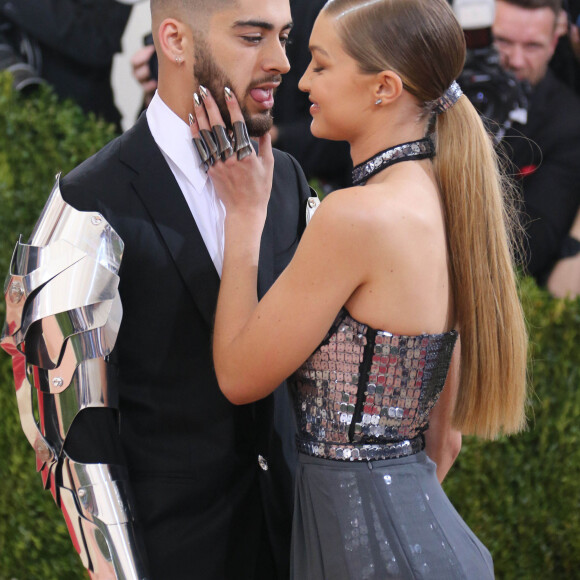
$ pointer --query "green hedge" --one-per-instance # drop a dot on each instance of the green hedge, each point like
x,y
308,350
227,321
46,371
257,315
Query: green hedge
x,y
521,495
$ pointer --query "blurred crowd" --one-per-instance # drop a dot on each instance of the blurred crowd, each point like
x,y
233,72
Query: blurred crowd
x,y
70,44
537,41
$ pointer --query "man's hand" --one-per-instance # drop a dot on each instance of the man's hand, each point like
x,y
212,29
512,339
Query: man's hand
x,y
142,72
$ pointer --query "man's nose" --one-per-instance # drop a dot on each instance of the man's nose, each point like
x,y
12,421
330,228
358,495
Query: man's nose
x,y
515,57
275,59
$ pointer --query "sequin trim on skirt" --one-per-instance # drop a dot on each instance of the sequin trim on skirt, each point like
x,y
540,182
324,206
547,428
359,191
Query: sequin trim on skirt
x,y
362,452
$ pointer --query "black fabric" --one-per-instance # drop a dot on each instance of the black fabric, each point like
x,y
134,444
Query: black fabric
x,y
565,65
78,39
326,160
548,147
202,500
94,424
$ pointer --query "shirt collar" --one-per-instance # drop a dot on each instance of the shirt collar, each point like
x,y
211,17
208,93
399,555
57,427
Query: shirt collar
x,y
173,137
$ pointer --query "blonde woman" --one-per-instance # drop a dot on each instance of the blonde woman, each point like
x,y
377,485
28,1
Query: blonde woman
x,y
367,317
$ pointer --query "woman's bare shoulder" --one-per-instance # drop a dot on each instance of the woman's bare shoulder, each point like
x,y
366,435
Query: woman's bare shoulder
x,y
396,207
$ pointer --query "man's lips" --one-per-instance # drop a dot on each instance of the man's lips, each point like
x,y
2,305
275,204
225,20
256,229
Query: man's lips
x,y
264,94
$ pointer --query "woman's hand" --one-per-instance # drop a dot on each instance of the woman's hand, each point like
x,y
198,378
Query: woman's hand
x,y
242,179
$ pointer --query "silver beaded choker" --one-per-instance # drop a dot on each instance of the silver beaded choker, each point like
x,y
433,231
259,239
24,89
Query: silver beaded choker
x,y
412,151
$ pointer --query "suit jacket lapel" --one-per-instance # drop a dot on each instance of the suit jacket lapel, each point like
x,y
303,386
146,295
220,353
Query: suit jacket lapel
x,y
155,185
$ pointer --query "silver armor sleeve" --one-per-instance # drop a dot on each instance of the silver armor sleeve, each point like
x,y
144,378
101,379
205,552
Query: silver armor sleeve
x,y
63,313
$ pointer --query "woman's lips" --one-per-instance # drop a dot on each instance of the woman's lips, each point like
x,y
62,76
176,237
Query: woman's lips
x,y
314,108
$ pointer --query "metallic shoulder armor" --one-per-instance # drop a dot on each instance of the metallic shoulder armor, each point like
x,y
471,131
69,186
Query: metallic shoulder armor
x,y
63,313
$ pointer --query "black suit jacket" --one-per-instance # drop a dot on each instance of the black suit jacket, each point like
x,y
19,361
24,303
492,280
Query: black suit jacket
x,y
546,157
205,507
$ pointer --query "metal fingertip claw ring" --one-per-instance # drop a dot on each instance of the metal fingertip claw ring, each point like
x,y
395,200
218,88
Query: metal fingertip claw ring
x,y
225,149
211,145
242,144
203,152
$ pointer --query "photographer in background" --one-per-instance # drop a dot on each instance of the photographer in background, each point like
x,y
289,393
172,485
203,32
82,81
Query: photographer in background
x,y
545,150
144,64
75,42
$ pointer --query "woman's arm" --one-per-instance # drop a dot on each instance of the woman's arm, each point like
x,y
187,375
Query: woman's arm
x,y
442,441
256,346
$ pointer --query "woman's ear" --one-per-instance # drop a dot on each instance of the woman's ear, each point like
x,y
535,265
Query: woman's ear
x,y
387,87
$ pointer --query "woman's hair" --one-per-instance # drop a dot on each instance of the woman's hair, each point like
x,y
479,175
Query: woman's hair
x,y
424,44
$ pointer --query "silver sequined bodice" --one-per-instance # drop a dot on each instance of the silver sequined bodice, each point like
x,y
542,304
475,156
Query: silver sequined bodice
x,y
366,393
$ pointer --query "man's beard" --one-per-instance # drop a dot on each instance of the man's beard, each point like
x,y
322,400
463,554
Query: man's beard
x,y
209,74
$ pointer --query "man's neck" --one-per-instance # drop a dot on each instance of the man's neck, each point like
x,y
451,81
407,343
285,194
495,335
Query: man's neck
x,y
177,95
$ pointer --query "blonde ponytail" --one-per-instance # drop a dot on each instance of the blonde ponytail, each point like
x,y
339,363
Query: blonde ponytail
x,y
479,221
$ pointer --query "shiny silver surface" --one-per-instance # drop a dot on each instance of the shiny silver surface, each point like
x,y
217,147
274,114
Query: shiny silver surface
x,y
263,463
45,454
312,204
86,390
366,394
413,150
225,149
98,508
60,221
83,284
209,139
62,319
63,313
241,141
202,151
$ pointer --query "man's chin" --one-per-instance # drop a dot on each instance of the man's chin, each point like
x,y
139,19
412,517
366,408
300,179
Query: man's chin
x,y
259,124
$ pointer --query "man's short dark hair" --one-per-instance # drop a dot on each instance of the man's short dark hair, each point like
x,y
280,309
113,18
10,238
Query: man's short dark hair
x,y
189,5
182,9
554,5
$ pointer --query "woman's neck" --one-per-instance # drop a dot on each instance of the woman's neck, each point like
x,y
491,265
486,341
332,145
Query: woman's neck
x,y
381,137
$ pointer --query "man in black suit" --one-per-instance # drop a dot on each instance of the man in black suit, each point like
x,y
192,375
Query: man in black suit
x,y
211,482
546,149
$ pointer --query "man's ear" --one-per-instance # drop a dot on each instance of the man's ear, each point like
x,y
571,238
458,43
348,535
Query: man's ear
x,y
172,40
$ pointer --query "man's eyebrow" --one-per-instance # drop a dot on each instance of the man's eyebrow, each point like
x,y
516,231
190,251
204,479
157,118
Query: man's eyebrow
x,y
259,24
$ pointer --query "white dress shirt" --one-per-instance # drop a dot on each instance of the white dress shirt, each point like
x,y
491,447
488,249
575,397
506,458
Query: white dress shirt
x,y
173,137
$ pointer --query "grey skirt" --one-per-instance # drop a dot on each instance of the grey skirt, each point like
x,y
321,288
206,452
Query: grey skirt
x,y
380,520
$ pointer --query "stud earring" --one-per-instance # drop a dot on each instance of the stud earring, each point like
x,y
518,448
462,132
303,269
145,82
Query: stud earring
x,y
378,101
178,59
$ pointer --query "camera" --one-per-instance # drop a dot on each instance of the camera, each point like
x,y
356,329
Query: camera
x,y
20,56
497,95
153,62
573,9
